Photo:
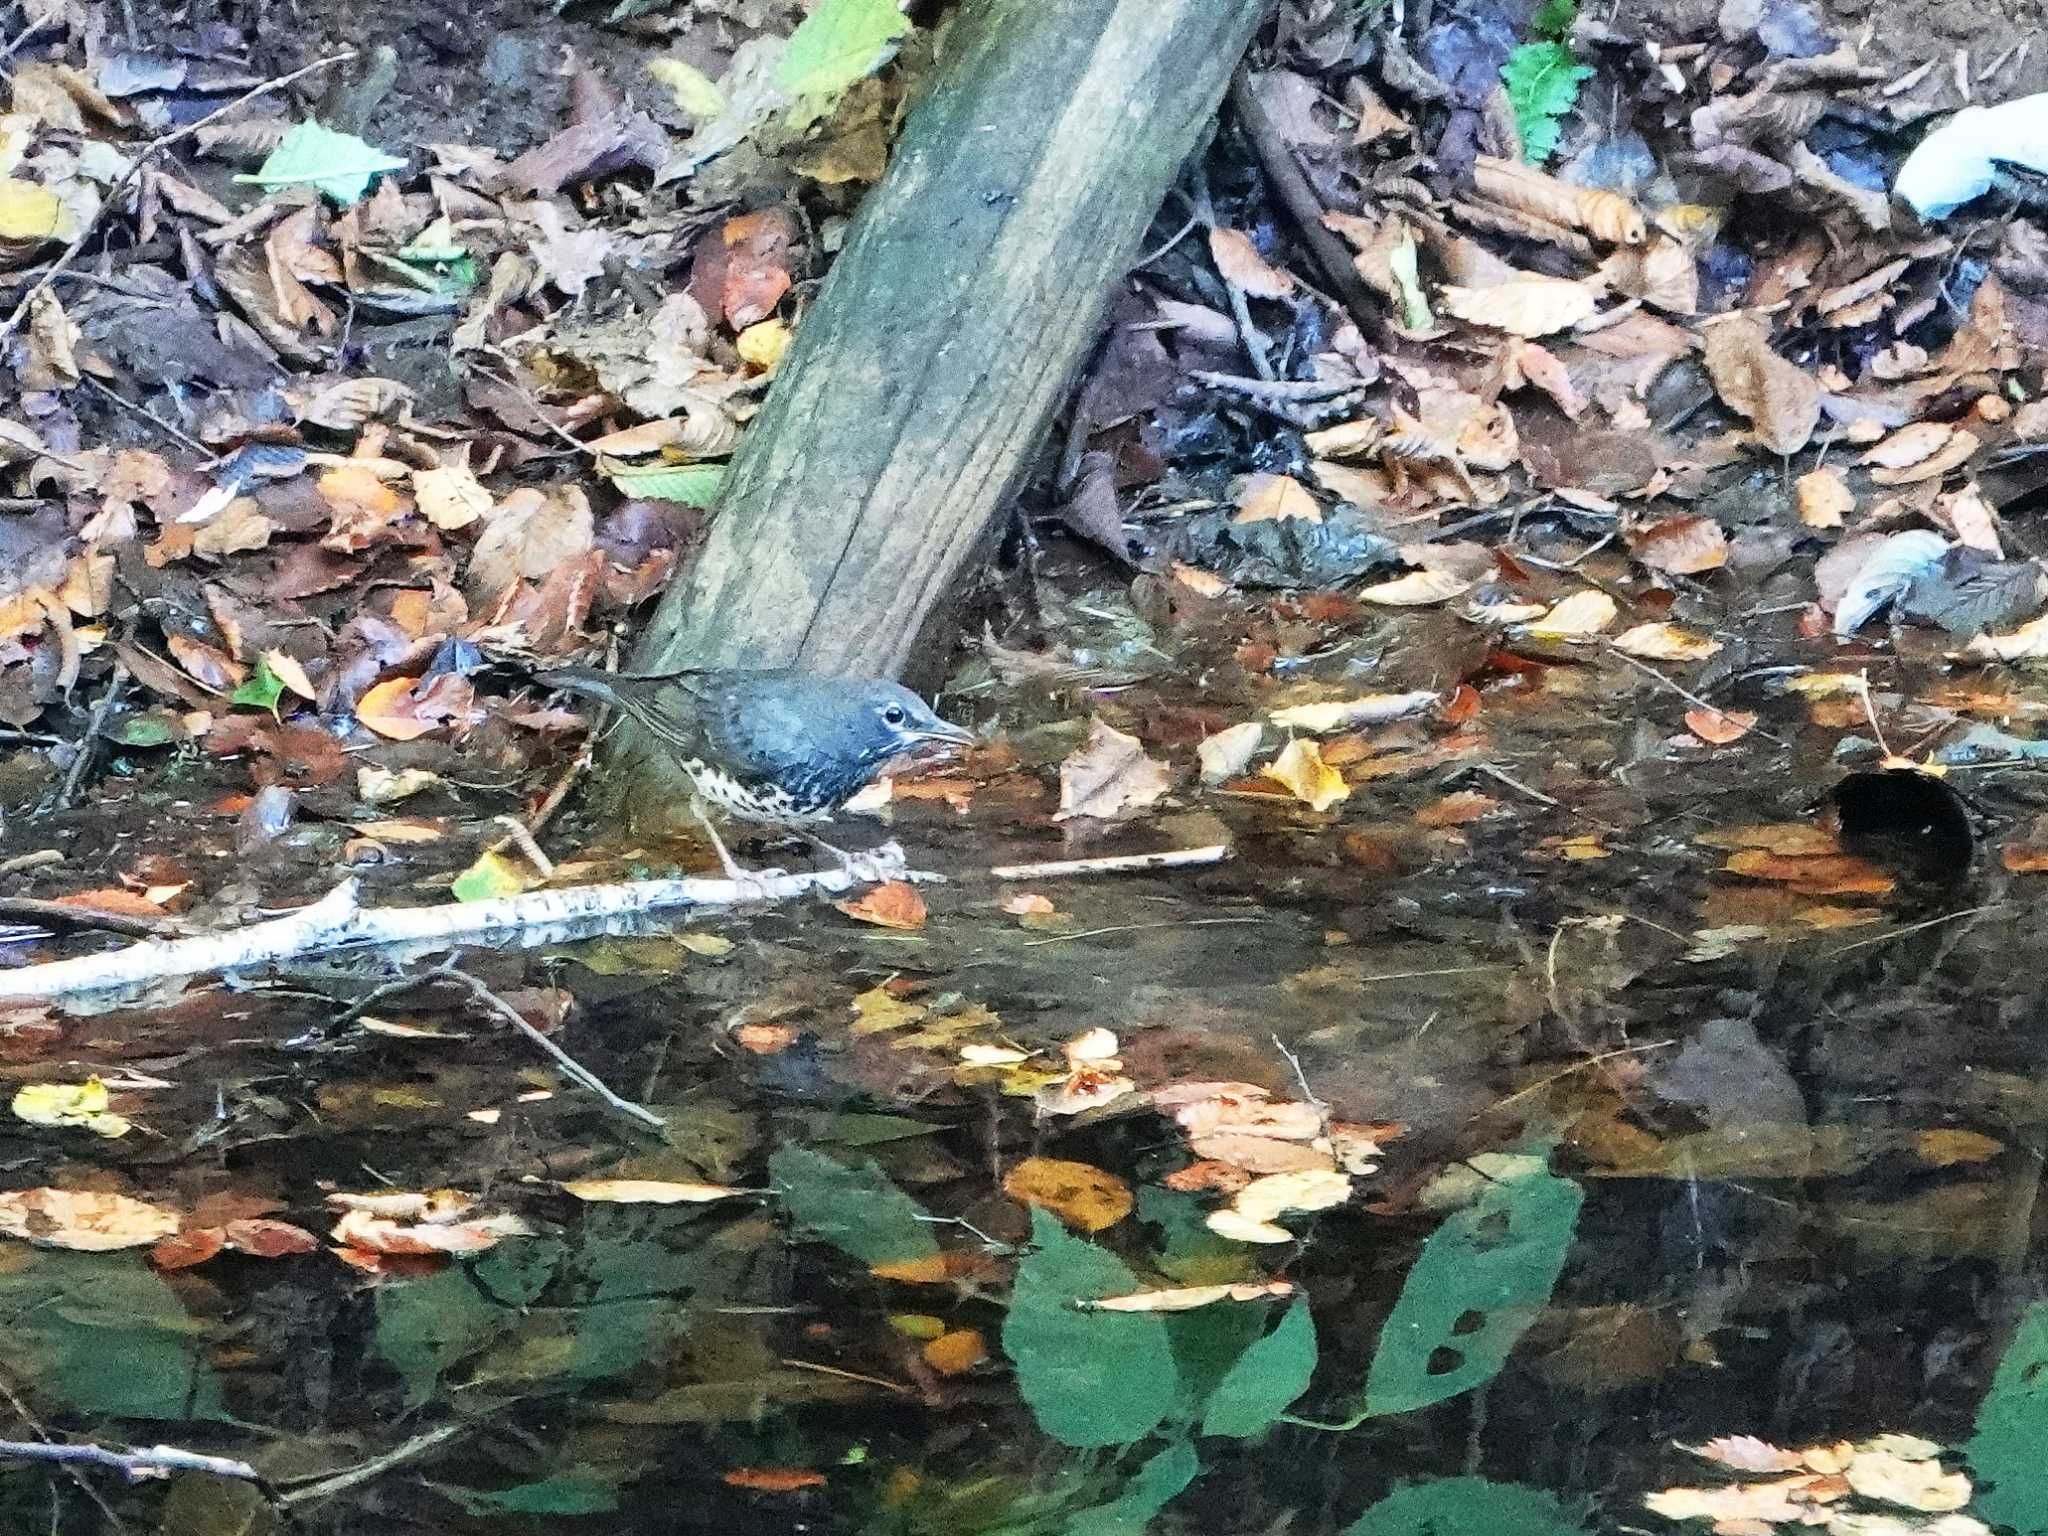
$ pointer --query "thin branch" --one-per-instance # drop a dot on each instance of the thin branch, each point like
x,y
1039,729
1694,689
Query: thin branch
x,y
353,1477
571,1067
157,1461
1114,864
89,747
150,151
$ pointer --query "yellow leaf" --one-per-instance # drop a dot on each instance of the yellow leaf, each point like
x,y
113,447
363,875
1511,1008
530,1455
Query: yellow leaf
x,y
1081,1195
877,1011
957,1352
82,1104
28,211
1240,1228
1665,642
291,672
1307,777
1823,498
763,343
1310,1189
649,1191
693,91
1581,614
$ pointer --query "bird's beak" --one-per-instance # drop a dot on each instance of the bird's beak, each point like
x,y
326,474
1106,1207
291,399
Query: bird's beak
x,y
952,735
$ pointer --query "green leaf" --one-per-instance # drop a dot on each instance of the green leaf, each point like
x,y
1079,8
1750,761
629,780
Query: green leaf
x,y
154,728
491,876
261,690
339,164
102,1333
1480,1281
1091,1378
840,42
1554,18
582,1492
1162,1477
1267,1377
694,485
854,1208
425,1326
1543,82
1457,1506
2012,1426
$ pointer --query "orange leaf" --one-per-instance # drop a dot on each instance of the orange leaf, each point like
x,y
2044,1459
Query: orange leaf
x,y
184,1249
263,1238
388,709
1720,726
892,904
774,1479
1079,1194
1243,267
956,1353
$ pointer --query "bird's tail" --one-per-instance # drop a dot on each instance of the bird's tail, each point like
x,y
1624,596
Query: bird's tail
x,y
659,702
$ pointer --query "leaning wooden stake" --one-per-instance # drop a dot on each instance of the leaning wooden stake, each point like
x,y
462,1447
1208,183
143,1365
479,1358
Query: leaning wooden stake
x,y
946,332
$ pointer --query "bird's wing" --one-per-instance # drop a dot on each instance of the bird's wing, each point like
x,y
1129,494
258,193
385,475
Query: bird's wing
x,y
654,701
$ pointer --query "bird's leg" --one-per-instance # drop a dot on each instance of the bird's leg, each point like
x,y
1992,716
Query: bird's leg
x,y
748,880
846,859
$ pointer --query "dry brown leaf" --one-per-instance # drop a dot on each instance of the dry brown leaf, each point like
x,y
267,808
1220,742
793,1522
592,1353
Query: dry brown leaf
x,y
1823,498
1530,305
1682,546
1665,642
1276,499
1950,455
1080,1194
1910,445
86,1220
1603,215
1186,1298
450,496
1339,714
1243,267
956,1352
1973,519
1663,274
1746,1453
1780,399
648,1191
1109,773
1920,1485
892,904
1307,777
2027,643
1718,727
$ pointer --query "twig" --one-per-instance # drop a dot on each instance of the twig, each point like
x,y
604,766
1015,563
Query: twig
x,y
64,914
1172,922
1293,391
150,151
157,1461
114,1522
89,747
1684,693
1114,864
510,379
340,1482
338,922
152,418
1305,208
516,836
571,1067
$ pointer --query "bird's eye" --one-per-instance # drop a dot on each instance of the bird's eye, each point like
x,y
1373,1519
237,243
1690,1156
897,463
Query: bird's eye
x,y
894,715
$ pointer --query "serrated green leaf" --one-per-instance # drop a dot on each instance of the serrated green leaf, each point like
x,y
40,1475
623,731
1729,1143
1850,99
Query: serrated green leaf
x,y
1454,1506
339,164
1542,81
1267,1377
840,42
261,689
1091,1378
1481,1280
694,485
1554,18
854,1207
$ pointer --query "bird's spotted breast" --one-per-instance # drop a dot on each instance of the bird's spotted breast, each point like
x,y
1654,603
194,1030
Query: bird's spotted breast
x,y
768,803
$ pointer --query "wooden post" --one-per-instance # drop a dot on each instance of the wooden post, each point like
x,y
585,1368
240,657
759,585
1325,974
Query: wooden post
x,y
944,337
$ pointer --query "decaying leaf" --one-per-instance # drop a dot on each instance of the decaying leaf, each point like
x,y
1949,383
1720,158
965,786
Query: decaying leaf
x,y
1340,714
1300,767
1780,399
1823,498
1417,589
1529,305
1109,774
891,904
1227,753
88,1220
1243,267
1275,498
1080,1194
1665,642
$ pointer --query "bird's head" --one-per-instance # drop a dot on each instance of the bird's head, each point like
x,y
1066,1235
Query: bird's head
x,y
889,721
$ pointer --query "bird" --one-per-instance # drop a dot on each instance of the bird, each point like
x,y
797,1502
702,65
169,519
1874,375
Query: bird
x,y
777,747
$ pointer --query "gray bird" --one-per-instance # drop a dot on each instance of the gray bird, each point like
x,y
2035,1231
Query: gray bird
x,y
780,748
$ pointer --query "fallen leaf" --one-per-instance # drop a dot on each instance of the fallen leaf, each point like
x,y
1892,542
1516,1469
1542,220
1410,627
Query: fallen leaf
x,y
1528,305
1309,1190
956,1352
359,1229
1780,399
1665,642
1823,498
1910,445
1109,773
1720,726
1240,1228
1241,265
774,1479
1185,1298
1951,455
1028,904
1417,589
892,904
1338,714
1229,751
1920,1485
69,1104
648,1191
1081,1195
1582,614
1746,1453
1307,777
1275,499
1682,546
86,1220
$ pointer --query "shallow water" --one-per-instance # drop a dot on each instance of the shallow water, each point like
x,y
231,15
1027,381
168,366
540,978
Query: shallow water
x,y
1790,1137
